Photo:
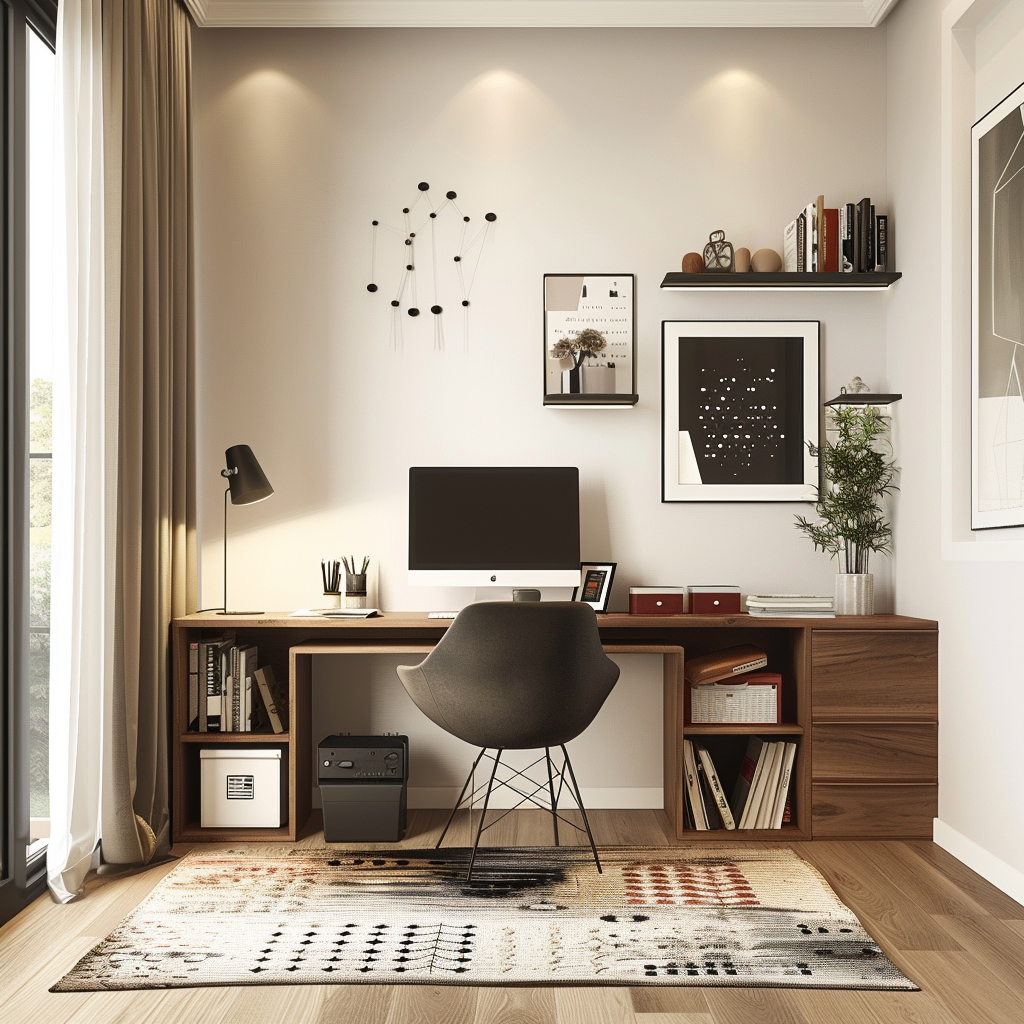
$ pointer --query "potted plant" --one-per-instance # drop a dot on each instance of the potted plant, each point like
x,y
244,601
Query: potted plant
x,y
587,342
859,470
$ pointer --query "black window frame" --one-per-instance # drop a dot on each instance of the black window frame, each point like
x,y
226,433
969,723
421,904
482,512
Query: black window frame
x,y
21,879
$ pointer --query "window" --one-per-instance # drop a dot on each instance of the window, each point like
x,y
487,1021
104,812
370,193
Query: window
x,y
29,273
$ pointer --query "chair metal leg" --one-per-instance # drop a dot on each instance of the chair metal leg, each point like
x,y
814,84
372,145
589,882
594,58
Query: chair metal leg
x,y
462,796
551,791
483,815
583,810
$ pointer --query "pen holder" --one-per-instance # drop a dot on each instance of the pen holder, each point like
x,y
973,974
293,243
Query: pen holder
x,y
332,599
355,590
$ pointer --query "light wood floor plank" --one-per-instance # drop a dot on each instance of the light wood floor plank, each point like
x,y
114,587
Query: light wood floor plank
x,y
871,1007
656,999
594,1006
674,1018
998,947
996,902
356,1004
891,916
753,1006
932,891
432,1004
516,1006
969,991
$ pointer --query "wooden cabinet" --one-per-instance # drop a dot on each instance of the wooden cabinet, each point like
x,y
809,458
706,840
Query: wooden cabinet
x,y
875,726
860,696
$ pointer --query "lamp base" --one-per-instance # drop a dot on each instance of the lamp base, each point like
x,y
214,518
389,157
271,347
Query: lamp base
x,y
240,613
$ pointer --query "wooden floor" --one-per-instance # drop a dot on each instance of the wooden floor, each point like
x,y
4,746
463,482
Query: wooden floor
x,y
958,937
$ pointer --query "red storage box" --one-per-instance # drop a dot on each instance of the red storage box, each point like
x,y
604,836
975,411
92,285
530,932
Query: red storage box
x,y
714,600
657,600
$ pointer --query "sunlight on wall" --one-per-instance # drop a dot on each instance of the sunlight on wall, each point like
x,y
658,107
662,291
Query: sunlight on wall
x,y
500,117
738,112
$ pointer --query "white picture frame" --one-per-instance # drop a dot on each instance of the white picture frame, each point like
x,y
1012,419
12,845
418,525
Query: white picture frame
x,y
997,316
595,587
705,457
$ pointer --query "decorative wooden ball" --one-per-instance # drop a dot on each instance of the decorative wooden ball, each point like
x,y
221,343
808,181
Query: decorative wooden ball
x,y
765,261
742,259
693,263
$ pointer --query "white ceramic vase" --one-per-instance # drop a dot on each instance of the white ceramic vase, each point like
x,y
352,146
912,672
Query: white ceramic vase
x,y
855,593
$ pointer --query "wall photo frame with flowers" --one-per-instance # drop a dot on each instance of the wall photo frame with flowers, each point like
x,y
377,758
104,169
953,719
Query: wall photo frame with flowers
x,y
590,340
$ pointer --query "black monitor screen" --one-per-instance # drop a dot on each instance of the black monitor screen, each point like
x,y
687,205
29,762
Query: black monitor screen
x,y
494,518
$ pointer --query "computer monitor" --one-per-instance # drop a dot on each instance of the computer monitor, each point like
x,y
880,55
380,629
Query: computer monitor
x,y
494,526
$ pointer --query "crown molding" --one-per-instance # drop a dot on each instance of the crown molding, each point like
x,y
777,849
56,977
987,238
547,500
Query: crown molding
x,y
540,13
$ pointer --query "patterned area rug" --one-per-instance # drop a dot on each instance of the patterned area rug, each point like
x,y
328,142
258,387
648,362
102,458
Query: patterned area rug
x,y
717,916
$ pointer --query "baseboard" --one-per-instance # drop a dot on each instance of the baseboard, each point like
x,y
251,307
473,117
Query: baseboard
x,y
1002,875
617,798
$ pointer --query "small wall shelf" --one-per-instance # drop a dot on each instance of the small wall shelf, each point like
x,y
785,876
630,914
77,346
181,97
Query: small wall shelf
x,y
781,280
585,401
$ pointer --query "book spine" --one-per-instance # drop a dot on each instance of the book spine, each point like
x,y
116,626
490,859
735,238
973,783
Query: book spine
x,y
192,725
863,235
847,233
819,220
831,221
715,785
882,242
801,244
700,821
789,248
872,253
212,689
714,819
268,701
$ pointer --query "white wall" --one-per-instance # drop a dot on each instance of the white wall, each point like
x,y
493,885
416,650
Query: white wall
x,y
600,151
979,604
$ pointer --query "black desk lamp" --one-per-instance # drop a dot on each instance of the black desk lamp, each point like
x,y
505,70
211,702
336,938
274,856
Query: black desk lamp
x,y
247,483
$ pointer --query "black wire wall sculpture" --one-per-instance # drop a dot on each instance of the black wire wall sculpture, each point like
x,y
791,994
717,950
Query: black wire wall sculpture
x,y
419,238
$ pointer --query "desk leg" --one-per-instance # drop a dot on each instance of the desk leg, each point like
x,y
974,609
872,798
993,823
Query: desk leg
x,y
300,743
672,742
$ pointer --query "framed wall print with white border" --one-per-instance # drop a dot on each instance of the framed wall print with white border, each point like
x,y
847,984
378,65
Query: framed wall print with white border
x,y
595,584
740,404
589,340
997,316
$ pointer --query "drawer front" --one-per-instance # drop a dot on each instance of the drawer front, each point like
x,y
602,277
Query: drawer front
x,y
656,604
714,604
873,812
886,753
875,675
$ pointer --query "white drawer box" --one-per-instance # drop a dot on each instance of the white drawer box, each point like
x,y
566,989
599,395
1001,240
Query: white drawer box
x,y
243,788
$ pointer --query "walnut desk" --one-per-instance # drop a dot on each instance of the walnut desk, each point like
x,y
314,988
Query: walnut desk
x,y
860,694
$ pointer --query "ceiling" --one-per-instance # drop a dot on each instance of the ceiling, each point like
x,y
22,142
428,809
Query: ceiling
x,y
543,13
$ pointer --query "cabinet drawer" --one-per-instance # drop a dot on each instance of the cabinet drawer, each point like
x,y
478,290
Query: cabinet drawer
x,y
887,753
875,675
873,812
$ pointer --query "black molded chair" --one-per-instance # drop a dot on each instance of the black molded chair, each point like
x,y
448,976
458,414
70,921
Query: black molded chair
x,y
517,676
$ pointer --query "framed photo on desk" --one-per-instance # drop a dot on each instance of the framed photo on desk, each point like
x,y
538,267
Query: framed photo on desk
x,y
595,584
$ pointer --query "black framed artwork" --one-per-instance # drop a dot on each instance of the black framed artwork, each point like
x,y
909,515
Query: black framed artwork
x,y
595,584
740,405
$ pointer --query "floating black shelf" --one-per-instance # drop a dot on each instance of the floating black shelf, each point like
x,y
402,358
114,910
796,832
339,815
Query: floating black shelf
x,y
710,281
584,401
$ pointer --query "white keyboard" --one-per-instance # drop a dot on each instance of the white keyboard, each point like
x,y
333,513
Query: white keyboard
x,y
441,615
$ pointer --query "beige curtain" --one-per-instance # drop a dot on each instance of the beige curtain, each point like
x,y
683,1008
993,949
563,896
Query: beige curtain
x,y
155,579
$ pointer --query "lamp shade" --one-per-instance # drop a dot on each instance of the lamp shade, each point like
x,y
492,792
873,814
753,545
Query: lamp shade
x,y
247,481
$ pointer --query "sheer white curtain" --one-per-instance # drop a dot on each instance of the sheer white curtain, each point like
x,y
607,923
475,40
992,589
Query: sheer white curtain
x,y
80,616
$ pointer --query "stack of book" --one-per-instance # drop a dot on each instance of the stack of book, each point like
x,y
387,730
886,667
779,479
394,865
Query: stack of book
x,y
760,798
226,690
846,239
785,606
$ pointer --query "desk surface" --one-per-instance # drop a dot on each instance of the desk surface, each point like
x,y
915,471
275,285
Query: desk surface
x,y
404,621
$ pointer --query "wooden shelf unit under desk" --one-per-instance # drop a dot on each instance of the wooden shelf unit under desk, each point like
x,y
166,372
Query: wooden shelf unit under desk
x,y
860,694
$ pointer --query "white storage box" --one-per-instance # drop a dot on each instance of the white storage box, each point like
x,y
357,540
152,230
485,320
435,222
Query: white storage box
x,y
751,699
243,788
